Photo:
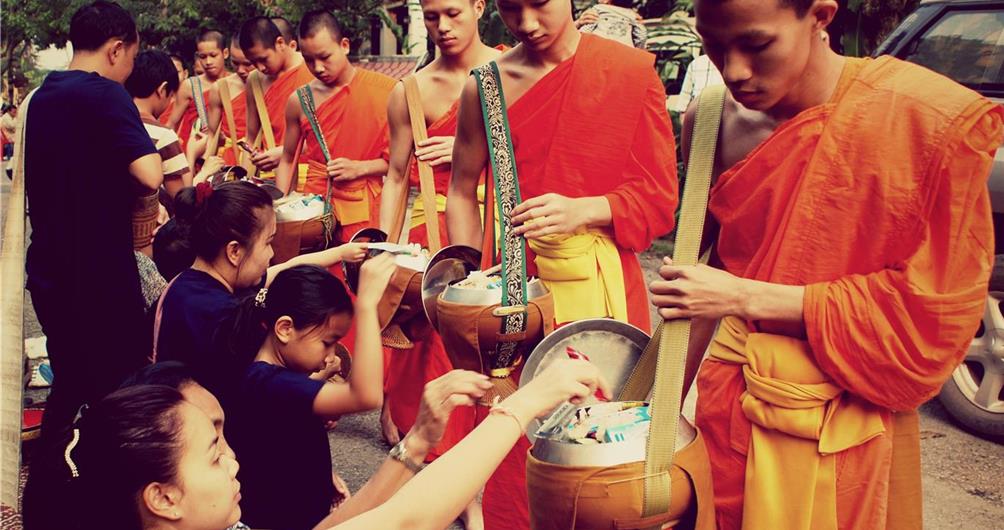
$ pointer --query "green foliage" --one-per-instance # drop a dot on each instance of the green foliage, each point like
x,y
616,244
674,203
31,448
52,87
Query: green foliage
x,y
861,25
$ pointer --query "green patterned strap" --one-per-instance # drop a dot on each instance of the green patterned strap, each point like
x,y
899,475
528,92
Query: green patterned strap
x,y
200,103
503,164
306,97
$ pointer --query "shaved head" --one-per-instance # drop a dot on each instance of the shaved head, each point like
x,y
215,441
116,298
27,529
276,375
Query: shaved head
x,y
801,7
318,19
259,30
285,28
215,36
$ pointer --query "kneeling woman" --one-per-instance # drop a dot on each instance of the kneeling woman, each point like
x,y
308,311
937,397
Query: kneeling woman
x,y
145,459
231,230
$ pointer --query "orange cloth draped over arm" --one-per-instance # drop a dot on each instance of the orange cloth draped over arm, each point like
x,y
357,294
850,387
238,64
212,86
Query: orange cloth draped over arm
x,y
354,122
877,202
277,95
239,103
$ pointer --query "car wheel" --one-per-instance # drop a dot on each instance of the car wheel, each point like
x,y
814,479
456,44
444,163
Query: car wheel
x,y
974,395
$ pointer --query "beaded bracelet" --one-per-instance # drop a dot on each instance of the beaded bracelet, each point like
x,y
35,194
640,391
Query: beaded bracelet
x,y
500,409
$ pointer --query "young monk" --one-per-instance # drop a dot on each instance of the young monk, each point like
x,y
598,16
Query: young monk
x,y
287,30
281,71
597,172
817,151
351,105
453,26
235,85
211,53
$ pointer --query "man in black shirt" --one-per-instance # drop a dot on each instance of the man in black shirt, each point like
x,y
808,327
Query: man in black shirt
x,y
87,158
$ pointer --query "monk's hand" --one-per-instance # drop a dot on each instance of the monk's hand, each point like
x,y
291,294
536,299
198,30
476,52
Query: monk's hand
x,y
697,291
343,169
549,214
267,160
436,150
457,388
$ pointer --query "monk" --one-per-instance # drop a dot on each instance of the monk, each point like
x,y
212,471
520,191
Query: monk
x,y
855,240
453,26
351,105
235,85
595,158
211,53
281,71
179,65
287,30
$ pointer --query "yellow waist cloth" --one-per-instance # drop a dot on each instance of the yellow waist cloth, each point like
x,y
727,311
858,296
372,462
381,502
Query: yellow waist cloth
x,y
350,200
418,208
301,175
583,272
800,419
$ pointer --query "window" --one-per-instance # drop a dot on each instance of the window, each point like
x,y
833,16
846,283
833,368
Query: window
x,y
967,46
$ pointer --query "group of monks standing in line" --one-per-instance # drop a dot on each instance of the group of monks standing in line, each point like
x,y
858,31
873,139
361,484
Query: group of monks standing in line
x,y
850,221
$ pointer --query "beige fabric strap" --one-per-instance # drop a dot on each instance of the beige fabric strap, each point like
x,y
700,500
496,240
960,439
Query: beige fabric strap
x,y
664,372
427,184
258,91
12,258
228,114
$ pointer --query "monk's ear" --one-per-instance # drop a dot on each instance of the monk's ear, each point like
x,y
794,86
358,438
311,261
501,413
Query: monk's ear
x,y
346,45
479,8
279,41
226,53
822,13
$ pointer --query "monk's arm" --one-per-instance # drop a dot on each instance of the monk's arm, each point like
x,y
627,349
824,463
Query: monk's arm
x,y
470,155
181,101
286,169
214,107
395,186
251,113
894,336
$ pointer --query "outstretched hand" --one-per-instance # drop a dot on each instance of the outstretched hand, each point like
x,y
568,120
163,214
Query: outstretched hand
x,y
457,388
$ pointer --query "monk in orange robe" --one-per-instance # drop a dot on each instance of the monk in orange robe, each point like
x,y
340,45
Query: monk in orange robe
x,y
281,71
453,26
852,260
238,103
595,157
351,106
211,53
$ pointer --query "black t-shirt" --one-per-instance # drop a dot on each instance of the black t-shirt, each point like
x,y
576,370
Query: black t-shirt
x,y
83,131
282,447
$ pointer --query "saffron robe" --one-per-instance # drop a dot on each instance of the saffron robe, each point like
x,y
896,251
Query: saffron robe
x,y
354,124
239,103
596,125
407,371
877,202
188,119
276,96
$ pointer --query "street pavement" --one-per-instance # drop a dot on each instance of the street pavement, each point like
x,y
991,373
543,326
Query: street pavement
x,y
963,475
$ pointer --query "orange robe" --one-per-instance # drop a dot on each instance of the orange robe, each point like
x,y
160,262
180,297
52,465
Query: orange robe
x,y
239,103
408,371
166,115
188,121
596,125
276,96
354,124
876,201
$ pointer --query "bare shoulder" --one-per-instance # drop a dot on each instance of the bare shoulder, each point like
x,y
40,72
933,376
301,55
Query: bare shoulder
x,y
397,105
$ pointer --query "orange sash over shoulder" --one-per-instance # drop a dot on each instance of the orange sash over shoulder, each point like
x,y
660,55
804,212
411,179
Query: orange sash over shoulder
x,y
877,202
277,95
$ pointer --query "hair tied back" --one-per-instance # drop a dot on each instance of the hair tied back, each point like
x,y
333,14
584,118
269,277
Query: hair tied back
x,y
202,193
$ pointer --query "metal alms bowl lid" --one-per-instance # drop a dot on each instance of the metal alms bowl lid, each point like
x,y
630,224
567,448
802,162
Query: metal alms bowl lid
x,y
613,346
351,270
450,264
488,297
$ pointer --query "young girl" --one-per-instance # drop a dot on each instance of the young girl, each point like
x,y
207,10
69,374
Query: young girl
x,y
230,231
277,419
145,459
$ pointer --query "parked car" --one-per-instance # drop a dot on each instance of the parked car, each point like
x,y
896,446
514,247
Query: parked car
x,y
964,40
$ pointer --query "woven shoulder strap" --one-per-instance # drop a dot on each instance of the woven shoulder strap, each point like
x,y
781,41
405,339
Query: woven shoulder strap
x,y
228,114
662,365
200,102
426,181
258,93
12,328
507,196
306,97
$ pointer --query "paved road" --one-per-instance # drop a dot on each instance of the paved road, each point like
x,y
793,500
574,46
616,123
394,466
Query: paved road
x,y
963,475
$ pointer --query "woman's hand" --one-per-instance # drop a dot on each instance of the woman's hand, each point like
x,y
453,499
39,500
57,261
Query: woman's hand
x,y
550,214
374,276
436,150
563,380
698,291
352,252
267,160
211,165
458,388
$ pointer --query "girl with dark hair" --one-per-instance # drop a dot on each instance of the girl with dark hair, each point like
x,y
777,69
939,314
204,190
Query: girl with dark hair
x,y
144,458
230,231
278,414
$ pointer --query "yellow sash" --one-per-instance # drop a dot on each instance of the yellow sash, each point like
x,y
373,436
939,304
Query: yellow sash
x,y
418,208
350,200
800,420
583,272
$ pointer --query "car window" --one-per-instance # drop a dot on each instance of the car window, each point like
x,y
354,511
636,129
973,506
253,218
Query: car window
x,y
967,46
